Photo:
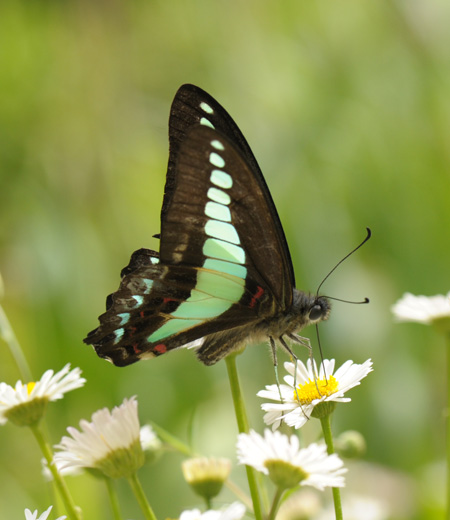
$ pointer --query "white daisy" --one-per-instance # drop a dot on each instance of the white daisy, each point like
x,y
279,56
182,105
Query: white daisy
x,y
33,516
422,309
287,465
26,403
313,387
110,443
233,512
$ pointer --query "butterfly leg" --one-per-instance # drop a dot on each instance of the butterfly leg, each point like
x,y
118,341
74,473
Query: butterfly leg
x,y
291,353
275,364
306,342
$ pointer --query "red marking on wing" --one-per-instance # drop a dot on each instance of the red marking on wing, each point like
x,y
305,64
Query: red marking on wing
x,y
256,296
131,331
160,348
167,300
142,314
136,349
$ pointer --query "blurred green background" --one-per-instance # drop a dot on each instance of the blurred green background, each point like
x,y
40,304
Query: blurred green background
x,y
346,106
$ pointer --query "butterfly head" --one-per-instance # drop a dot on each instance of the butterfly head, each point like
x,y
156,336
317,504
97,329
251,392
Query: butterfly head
x,y
308,309
320,309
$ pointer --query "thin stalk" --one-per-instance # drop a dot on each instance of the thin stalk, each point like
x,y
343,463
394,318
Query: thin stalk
x,y
73,511
240,494
141,498
242,422
275,504
169,439
447,419
8,336
113,498
326,429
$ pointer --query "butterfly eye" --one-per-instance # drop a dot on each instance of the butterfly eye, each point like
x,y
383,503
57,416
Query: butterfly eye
x,y
316,312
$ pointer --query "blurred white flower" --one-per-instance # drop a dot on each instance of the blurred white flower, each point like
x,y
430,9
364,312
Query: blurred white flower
x,y
233,512
110,443
33,516
422,309
149,439
301,505
357,507
287,464
26,403
312,388
65,472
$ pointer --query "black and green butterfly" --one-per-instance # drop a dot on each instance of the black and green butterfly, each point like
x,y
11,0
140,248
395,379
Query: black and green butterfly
x,y
223,277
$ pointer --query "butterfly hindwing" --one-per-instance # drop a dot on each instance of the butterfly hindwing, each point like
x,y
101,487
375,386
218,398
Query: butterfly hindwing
x,y
159,308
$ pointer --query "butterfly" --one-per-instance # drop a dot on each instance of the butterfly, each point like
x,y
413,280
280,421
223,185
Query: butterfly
x,y
223,277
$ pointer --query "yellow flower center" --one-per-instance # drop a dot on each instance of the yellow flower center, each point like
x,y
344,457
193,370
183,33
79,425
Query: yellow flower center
x,y
30,387
307,392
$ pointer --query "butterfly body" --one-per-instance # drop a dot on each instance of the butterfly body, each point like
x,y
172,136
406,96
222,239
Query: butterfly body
x,y
223,277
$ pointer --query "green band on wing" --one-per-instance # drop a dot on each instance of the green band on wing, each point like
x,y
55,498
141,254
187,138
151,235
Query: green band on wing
x,y
222,230
215,248
218,196
171,327
221,179
206,309
220,285
217,211
226,267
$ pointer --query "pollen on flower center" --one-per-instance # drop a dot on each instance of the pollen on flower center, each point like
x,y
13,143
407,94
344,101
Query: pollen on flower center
x,y
30,387
308,392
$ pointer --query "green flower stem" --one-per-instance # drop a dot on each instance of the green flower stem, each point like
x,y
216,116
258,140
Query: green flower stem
x,y
113,498
169,439
275,504
72,510
326,429
7,334
141,498
447,336
242,421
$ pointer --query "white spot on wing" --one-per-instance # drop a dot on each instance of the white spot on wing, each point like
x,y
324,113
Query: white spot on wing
x,y
206,108
216,160
206,122
217,145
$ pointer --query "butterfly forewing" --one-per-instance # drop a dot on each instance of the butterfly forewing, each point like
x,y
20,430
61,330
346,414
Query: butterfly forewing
x,y
192,107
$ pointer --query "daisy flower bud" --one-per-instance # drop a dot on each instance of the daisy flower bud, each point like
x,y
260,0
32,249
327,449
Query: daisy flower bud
x,y
350,444
206,475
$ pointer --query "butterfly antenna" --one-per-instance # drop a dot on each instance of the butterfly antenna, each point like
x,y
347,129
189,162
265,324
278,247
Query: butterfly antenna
x,y
366,300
